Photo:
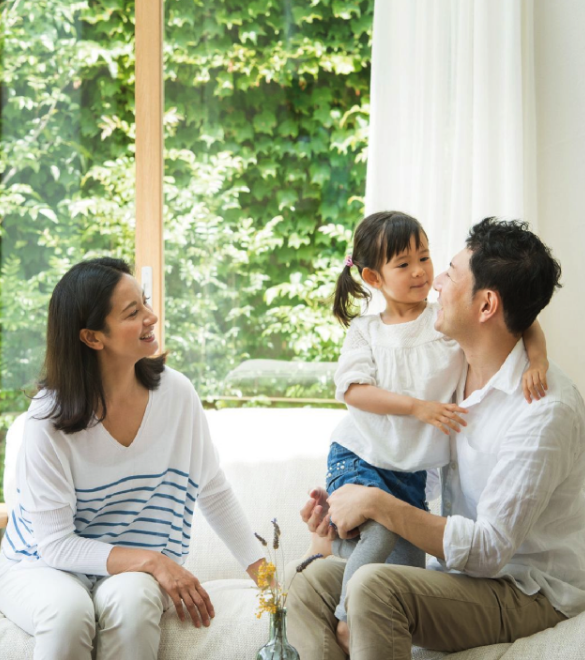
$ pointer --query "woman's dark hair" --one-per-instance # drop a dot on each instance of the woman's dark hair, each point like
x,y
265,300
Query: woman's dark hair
x,y
83,299
513,261
378,238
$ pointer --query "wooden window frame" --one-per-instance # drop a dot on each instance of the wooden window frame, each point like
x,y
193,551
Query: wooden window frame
x,y
149,259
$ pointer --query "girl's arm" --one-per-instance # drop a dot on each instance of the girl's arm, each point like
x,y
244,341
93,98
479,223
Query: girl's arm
x,y
534,379
372,399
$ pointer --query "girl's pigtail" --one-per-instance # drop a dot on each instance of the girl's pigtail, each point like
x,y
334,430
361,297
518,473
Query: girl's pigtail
x,y
347,291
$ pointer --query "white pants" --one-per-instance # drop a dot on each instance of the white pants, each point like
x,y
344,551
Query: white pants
x,y
122,612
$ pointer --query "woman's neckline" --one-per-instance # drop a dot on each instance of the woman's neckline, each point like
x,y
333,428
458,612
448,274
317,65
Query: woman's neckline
x,y
136,438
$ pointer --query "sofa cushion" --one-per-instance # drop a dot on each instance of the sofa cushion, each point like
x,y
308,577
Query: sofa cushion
x,y
235,633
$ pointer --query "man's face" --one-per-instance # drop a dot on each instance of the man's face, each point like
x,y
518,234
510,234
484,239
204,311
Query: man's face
x,y
456,317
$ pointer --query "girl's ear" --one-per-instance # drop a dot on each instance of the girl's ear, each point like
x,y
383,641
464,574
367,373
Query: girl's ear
x,y
90,338
371,277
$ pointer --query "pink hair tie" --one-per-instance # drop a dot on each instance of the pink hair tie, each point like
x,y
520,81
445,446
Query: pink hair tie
x,y
349,261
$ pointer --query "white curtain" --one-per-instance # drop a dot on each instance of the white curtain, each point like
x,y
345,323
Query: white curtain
x,y
452,131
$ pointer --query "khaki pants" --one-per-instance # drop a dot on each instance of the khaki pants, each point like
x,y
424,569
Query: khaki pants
x,y
392,607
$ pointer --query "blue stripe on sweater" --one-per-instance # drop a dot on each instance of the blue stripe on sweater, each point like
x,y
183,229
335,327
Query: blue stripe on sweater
x,y
149,489
20,552
17,530
138,476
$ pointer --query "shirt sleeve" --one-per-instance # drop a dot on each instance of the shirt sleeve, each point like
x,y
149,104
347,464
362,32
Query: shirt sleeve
x,y
44,473
224,513
60,547
217,500
535,457
48,495
356,362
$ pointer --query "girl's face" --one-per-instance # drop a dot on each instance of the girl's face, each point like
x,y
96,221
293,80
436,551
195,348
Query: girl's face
x,y
408,276
129,332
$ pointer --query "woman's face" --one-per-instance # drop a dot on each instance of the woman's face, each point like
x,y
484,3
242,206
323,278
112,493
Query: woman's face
x,y
129,331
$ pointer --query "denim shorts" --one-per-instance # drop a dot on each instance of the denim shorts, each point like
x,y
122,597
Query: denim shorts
x,y
345,467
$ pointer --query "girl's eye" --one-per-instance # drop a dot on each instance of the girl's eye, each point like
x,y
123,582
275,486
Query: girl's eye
x,y
425,258
134,313
402,265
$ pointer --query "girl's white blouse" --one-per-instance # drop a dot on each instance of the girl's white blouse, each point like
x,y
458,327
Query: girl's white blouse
x,y
407,358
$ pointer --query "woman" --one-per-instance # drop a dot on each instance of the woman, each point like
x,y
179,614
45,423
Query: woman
x,y
116,453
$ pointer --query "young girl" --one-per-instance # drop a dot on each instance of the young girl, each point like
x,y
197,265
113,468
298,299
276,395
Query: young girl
x,y
397,375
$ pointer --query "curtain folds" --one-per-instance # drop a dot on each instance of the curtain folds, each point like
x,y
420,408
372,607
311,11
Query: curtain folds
x,y
452,129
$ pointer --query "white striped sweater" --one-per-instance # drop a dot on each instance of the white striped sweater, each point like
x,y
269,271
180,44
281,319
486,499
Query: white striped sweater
x,y
88,486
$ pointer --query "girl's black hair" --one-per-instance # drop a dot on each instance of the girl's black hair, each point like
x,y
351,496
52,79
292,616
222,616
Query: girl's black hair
x,y
377,239
71,374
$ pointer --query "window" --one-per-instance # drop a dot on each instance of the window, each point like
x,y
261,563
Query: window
x,y
265,130
266,112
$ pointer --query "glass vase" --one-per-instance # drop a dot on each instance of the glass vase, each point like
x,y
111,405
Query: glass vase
x,y
278,647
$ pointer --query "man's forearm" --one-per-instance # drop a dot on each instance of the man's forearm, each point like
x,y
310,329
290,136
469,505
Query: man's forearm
x,y
424,530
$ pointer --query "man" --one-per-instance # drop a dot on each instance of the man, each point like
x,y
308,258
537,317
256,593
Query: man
x,y
510,545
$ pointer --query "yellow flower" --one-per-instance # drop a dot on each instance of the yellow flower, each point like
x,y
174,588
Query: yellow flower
x,y
266,603
266,574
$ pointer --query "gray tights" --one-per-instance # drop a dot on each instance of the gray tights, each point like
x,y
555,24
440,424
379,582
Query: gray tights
x,y
375,545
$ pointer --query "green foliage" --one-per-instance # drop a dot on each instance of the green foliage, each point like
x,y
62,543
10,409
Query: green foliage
x,y
265,132
67,179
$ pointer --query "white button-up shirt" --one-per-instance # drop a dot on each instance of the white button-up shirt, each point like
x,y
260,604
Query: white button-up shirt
x,y
513,491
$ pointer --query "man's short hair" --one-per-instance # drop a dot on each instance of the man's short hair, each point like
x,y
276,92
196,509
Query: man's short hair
x,y
510,259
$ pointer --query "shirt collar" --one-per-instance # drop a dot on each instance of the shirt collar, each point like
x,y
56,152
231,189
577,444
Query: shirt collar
x,y
507,379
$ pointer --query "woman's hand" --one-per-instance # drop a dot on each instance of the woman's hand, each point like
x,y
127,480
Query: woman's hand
x,y
350,507
534,380
252,569
442,415
184,589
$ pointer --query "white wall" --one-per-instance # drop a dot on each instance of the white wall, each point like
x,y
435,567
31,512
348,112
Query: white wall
x,y
560,115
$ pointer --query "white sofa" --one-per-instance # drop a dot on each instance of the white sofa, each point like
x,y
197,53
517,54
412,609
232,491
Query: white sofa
x,y
272,458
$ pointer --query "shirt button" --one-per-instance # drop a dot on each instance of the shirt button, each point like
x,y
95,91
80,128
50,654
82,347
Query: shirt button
x,y
453,465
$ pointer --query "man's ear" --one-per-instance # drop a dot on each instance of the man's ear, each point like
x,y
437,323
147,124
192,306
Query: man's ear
x,y
371,277
491,304
90,338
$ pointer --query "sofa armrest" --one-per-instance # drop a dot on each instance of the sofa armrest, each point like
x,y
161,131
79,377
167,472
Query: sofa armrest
x,y
3,515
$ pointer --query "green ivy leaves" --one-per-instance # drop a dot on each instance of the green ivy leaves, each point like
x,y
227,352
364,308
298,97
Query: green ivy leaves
x,y
266,112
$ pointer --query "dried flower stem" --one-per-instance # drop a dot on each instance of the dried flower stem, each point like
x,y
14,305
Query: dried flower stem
x,y
263,541
309,560
300,568
276,539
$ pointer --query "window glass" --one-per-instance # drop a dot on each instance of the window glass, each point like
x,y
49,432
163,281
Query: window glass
x,y
266,115
66,162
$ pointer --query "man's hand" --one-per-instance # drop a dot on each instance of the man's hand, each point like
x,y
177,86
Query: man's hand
x,y
315,514
534,381
349,508
442,415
